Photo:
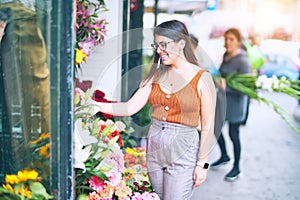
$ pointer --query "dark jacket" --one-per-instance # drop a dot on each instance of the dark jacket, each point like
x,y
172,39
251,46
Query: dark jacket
x,y
236,105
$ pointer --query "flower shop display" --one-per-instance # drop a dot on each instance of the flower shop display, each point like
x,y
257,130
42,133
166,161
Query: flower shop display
x,y
255,85
90,30
102,169
40,158
136,175
25,185
33,181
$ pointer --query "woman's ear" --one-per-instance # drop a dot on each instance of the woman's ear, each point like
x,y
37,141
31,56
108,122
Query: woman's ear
x,y
182,44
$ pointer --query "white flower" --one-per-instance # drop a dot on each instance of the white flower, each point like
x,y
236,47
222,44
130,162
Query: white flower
x,y
108,122
80,156
81,139
264,83
83,136
284,82
120,126
275,82
259,94
283,78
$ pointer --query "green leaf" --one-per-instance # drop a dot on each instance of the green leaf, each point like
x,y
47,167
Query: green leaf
x,y
108,130
77,99
5,194
104,153
83,196
95,131
113,141
39,190
87,95
106,168
100,175
95,123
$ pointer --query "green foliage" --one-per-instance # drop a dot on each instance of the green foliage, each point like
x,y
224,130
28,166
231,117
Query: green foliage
x,y
251,85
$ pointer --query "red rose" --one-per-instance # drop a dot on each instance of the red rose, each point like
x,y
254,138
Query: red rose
x,y
98,96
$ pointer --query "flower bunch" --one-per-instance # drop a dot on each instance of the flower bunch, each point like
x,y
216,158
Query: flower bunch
x,y
97,151
40,148
136,175
23,185
282,85
90,30
135,156
145,196
99,160
253,86
102,167
104,190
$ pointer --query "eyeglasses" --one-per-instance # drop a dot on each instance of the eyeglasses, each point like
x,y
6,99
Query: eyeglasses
x,y
162,45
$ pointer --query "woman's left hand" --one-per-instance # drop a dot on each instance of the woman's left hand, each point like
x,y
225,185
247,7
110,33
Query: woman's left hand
x,y
199,176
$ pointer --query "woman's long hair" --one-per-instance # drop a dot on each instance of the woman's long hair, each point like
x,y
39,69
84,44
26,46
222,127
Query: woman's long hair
x,y
176,31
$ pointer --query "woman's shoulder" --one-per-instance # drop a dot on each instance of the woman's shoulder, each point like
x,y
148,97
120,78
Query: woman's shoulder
x,y
243,54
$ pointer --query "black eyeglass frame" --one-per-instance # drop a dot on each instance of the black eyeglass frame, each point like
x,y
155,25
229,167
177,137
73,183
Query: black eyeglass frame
x,y
162,45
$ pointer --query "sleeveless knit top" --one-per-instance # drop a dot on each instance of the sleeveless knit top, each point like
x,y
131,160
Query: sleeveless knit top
x,y
181,107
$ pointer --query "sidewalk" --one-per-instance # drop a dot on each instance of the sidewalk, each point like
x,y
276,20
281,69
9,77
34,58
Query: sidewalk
x,y
270,159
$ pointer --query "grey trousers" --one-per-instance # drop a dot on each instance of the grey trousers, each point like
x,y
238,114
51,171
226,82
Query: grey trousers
x,y
172,152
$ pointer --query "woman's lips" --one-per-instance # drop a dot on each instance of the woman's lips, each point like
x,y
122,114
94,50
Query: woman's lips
x,y
164,57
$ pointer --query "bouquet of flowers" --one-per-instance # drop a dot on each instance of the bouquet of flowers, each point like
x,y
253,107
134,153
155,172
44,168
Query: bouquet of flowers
x,y
40,148
135,156
90,30
99,159
253,86
23,185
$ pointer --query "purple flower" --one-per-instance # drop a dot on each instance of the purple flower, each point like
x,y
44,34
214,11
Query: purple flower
x,y
86,46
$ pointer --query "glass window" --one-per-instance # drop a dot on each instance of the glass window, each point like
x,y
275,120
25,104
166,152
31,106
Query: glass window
x,y
34,74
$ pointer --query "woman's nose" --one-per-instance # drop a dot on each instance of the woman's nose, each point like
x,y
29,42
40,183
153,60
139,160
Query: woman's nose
x,y
158,50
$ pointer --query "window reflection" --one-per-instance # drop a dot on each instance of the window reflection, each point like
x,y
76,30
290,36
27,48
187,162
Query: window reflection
x,y
24,83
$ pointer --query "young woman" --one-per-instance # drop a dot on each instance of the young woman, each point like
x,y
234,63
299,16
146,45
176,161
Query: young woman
x,y
182,97
235,60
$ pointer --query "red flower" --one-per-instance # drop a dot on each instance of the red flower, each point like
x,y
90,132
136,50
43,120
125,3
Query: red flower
x,y
107,116
99,97
114,134
84,85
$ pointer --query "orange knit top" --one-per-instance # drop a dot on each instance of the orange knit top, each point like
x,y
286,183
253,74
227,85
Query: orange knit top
x,y
181,107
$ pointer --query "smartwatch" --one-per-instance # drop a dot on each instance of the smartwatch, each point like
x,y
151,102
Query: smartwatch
x,y
204,165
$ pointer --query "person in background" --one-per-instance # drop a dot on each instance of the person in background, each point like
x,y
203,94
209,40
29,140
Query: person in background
x,y
235,60
182,96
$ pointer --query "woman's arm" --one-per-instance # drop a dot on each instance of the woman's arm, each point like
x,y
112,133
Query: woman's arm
x,y
207,92
132,106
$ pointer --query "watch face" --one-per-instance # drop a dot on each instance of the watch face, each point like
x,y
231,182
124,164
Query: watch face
x,y
206,165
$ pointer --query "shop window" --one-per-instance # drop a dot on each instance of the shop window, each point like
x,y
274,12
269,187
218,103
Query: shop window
x,y
31,84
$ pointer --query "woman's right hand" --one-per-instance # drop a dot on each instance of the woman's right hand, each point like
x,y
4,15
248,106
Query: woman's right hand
x,y
223,83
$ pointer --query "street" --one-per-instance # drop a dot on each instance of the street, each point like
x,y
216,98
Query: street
x,y
270,163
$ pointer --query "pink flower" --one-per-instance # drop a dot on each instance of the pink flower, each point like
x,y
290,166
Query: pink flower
x,y
145,196
137,196
86,46
96,183
114,177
